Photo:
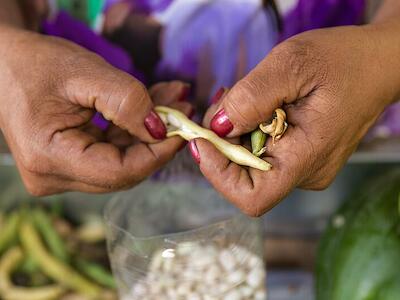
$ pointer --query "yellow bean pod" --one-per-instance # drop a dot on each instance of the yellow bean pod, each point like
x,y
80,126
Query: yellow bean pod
x,y
178,124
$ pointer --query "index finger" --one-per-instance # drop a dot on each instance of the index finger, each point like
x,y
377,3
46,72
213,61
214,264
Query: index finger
x,y
103,165
254,191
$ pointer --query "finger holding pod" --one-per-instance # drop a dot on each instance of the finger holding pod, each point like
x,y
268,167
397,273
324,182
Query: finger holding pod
x,y
178,124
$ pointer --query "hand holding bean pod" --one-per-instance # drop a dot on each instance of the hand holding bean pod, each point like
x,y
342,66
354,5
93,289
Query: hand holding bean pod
x,y
179,124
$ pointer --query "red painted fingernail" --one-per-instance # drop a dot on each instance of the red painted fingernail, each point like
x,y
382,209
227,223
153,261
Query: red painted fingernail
x,y
220,124
185,93
217,95
155,126
194,151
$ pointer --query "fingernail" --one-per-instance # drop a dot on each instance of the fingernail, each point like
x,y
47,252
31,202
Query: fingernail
x,y
220,124
194,151
155,126
185,93
217,95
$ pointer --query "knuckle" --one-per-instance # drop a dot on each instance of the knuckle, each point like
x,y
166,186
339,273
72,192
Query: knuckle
x,y
243,108
294,51
299,58
252,89
78,63
135,98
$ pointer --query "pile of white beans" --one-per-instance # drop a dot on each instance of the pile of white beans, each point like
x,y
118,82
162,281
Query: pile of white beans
x,y
202,272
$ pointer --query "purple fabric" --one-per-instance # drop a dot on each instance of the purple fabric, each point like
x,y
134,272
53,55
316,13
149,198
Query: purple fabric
x,y
67,27
388,125
144,6
151,6
217,32
312,14
100,122
392,119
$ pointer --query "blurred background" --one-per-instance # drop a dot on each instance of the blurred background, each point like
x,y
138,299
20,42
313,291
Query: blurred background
x,y
210,44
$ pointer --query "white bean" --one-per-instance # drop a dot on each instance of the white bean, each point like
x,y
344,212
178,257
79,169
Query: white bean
x,y
211,276
208,297
233,295
202,272
246,291
184,289
236,277
260,295
255,261
255,278
193,296
227,260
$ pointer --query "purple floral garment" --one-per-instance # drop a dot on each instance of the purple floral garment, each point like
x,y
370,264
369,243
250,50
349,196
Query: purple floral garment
x,y
388,125
65,26
219,30
306,15
144,6
313,14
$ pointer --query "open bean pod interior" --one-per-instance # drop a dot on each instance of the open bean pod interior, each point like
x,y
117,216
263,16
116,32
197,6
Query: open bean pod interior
x,y
178,124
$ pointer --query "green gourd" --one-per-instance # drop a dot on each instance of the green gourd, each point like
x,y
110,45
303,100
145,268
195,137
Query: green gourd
x,y
359,253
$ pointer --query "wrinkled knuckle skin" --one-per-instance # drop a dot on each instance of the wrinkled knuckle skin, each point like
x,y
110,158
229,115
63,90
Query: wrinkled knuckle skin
x,y
300,59
133,100
296,54
248,92
82,61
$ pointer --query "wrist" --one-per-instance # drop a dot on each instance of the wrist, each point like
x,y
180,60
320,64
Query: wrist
x,y
385,36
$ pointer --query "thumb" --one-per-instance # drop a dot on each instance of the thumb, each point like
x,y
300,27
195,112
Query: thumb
x,y
121,99
254,99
